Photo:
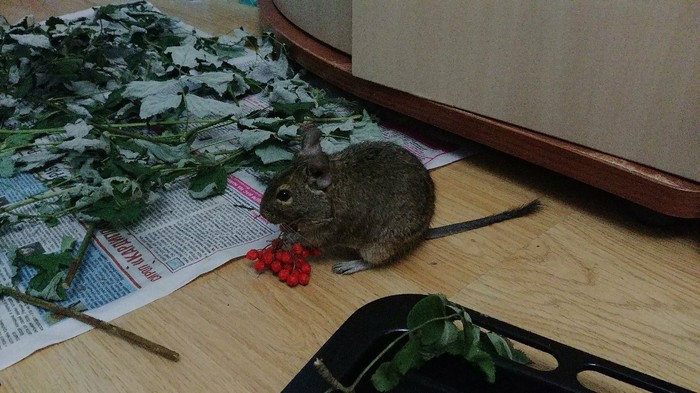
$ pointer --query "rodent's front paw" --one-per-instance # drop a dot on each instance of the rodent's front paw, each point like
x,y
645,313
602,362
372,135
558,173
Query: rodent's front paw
x,y
350,267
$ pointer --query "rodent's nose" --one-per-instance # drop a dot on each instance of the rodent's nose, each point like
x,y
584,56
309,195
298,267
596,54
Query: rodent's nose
x,y
266,215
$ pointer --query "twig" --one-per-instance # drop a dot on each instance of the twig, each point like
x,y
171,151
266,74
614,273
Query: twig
x,y
79,257
98,323
327,376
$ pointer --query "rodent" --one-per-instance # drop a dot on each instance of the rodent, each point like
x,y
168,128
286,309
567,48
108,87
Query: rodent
x,y
373,197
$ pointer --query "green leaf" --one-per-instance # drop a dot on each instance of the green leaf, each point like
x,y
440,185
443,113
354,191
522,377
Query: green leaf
x,y
265,123
408,357
238,86
288,131
165,153
48,287
67,243
81,144
79,129
54,262
269,70
17,140
331,145
33,40
185,56
386,377
327,110
347,125
297,109
67,67
366,130
500,345
120,209
141,89
7,165
218,81
249,138
485,363
273,152
12,260
425,319
156,104
204,108
37,159
46,283
208,182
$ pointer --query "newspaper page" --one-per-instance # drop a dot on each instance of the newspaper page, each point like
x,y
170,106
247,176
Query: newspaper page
x,y
177,240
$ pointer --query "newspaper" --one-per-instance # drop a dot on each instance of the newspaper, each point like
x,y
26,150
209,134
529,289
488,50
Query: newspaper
x,y
177,240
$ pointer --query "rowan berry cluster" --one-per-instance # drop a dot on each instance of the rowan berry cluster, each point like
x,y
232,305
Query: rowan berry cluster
x,y
287,262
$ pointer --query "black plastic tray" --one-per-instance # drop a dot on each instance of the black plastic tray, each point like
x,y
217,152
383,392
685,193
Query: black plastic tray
x,y
373,326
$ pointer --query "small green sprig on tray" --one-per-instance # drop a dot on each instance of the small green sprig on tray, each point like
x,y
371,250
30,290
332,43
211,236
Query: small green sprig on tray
x,y
436,327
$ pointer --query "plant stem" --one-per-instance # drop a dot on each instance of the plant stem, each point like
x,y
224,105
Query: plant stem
x,y
56,215
79,257
328,377
332,119
158,123
189,136
35,144
125,134
35,198
92,321
33,131
118,125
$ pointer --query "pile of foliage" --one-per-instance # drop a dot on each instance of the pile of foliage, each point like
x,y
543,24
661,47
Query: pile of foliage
x,y
122,103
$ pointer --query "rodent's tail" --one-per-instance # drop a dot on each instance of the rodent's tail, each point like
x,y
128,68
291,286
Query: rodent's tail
x,y
434,233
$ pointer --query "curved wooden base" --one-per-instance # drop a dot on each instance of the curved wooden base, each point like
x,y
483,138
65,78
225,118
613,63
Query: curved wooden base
x,y
646,186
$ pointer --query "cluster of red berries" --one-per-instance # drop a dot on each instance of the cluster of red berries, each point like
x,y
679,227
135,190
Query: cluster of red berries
x,y
287,262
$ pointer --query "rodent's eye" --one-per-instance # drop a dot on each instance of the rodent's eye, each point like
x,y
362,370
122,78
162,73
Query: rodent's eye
x,y
284,195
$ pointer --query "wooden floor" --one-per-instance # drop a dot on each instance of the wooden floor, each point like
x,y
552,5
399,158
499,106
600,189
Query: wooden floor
x,y
584,271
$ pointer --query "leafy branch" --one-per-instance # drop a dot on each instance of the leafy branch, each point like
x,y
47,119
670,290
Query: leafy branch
x,y
432,332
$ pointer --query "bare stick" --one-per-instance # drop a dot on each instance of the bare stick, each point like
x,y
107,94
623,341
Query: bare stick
x,y
328,377
98,323
80,256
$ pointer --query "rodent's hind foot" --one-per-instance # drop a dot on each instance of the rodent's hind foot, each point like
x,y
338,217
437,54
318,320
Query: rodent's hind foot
x,y
350,267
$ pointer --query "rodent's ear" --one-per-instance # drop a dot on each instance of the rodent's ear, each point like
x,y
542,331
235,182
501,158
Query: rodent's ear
x,y
311,144
319,171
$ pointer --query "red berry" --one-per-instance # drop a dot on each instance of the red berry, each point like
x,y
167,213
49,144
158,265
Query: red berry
x,y
283,275
259,266
304,279
305,253
316,252
276,266
293,280
286,257
252,254
276,244
297,248
268,257
305,268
